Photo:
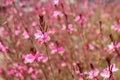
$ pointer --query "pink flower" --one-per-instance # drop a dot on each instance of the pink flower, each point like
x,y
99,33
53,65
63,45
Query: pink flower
x,y
57,13
116,27
38,34
30,70
3,48
46,37
56,2
45,59
35,74
93,73
18,74
42,37
17,32
41,57
80,20
112,46
60,50
1,70
34,23
22,68
63,27
106,73
63,64
54,49
70,28
77,18
113,67
25,34
52,31
29,58
11,72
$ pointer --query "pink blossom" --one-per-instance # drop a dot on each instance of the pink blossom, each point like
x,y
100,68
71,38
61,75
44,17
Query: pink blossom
x,y
93,73
43,37
1,70
29,58
63,64
17,32
38,34
113,67
34,23
52,31
116,27
77,18
112,46
49,68
35,74
56,2
46,37
63,27
57,13
18,74
61,50
53,48
3,48
41,57
70,28
11,72
30,70
106,73
44,59
20,14
25,34
22,68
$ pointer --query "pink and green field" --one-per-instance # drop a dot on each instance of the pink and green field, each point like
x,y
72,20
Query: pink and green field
x,y
59,40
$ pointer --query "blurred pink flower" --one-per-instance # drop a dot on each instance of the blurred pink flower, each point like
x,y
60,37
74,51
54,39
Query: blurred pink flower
x,y
116,27
1,70
52,31
63,64
41,57
25,34
11,72
56,2
35,74
17,32
54,49
93,73
106,73
77,18
112,46
46,37
57,13
60,50
29,58
18,74
38,34
42,37
30,70
34,23
70,28
3,48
